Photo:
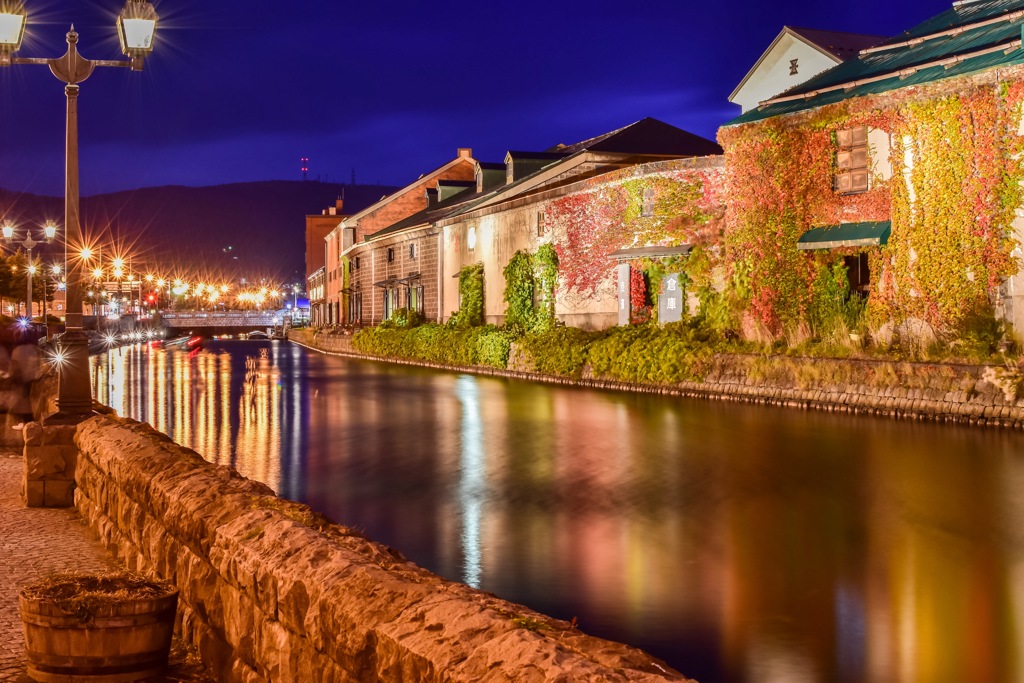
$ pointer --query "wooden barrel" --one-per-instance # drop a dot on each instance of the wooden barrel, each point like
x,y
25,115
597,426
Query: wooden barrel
x,y
120,642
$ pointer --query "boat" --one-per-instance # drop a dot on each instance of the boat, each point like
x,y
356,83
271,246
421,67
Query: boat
x,y
188,342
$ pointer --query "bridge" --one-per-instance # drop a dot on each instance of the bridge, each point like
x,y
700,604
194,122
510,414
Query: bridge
x,y
220,321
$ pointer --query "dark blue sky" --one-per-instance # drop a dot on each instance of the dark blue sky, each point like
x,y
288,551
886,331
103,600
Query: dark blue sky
x,y
241,90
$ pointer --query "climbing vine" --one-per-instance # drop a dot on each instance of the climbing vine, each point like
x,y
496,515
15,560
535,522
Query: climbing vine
x,y
639,300
951,210
672,208
952,235
471,297
545,263
519,291
530,290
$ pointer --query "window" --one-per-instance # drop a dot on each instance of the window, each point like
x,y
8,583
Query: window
x,y
392,297
391,254
412,250
414,299
357,263
355,308
541,227
471,239
852,161
648,207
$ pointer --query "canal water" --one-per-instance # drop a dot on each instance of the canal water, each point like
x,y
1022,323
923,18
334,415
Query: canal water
x,y
738,543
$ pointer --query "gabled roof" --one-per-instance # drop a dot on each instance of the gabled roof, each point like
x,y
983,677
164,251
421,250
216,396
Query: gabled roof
x,y
542,156
836,45
839,44
427,215
464,155
965,39
647,137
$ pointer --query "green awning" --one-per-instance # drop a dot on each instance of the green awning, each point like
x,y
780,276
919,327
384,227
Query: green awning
x,y
846,235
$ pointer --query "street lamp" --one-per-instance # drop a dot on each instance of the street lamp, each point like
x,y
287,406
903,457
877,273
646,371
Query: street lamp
x,y
49,232
136,28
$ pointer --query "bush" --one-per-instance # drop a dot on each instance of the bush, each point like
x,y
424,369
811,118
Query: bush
x,y
493,346
659,355
403,318
560,351
434,343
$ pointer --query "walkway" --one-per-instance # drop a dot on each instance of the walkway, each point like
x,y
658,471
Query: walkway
x,y
38,541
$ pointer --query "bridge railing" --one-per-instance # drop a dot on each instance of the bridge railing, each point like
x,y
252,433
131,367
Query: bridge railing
x,y
221,318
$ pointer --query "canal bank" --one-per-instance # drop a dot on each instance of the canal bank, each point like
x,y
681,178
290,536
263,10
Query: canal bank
x,y
721,537
270,590
983,395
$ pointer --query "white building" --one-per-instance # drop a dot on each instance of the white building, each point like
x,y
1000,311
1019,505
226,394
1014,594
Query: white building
x,y
794,57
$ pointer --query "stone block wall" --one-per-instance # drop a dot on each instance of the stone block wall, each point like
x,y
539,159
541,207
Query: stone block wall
x,y
987,395
327,342
50,458
48,478
271,591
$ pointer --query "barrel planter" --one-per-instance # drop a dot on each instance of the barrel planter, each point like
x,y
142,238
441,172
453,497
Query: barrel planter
x,y
113,628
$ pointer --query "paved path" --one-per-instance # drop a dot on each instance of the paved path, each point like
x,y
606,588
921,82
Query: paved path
x,y
38,541
34,542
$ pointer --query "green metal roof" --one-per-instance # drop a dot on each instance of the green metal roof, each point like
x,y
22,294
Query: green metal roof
x,y
887,63
846,235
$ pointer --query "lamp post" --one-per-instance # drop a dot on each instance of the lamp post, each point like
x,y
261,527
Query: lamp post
x,y
136,27
49,232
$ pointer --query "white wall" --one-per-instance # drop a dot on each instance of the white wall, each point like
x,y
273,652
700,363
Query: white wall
x,y
772,76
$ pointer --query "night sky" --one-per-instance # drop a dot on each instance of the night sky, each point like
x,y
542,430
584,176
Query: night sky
x,y
241,90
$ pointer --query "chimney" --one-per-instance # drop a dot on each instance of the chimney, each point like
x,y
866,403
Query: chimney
x,y
339,202
465,153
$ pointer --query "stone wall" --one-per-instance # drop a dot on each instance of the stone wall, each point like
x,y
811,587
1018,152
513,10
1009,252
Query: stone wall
x,y
989,395
271,591
48,473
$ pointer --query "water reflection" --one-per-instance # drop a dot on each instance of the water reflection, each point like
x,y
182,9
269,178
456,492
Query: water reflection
x,y
738,543
471,478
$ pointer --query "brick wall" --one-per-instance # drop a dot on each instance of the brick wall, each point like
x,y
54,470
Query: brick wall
x,y
412,199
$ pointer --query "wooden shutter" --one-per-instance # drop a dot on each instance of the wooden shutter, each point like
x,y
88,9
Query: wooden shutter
x,y
852,160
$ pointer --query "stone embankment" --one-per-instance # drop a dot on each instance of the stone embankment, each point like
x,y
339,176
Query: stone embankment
x,y
271,591
944,392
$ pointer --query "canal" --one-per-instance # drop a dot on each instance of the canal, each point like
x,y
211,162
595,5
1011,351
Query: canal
x,y
738,543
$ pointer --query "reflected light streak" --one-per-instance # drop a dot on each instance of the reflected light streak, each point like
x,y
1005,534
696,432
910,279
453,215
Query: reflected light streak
x,y
471,478
191,398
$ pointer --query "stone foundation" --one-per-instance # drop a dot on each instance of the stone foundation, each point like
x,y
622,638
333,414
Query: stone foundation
x,y
271,591
49,454
50,460
988,395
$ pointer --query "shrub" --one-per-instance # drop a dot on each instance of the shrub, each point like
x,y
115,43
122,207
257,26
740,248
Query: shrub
x,y
560,351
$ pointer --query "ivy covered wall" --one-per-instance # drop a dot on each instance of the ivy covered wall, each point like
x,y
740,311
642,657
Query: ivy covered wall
x,y
957,155
661,203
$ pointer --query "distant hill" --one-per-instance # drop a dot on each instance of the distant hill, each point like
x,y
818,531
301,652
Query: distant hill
x,y
245,229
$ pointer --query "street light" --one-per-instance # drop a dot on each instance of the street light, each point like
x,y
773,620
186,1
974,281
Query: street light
x,y
136,28
49,232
